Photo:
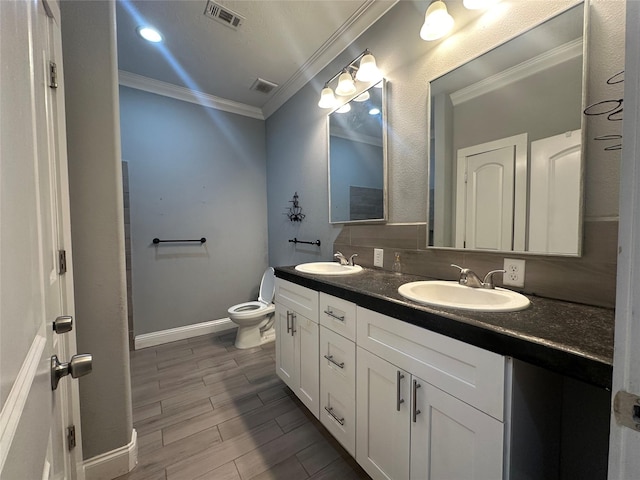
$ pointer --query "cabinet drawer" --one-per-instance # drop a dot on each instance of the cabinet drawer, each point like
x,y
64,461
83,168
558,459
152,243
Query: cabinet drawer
x,y
300,299
473,375
338,315
338,387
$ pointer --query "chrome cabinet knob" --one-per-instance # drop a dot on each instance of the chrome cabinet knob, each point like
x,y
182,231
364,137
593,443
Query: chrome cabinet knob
x,y
78,366
63,324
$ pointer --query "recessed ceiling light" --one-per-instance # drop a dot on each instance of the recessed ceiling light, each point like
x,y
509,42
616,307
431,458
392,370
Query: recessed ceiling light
x,y
150,34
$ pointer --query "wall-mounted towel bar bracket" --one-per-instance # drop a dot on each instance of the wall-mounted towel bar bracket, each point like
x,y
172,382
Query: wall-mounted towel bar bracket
x,y
295,240
200,240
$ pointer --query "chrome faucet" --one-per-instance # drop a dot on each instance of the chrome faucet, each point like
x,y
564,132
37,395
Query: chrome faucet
x,y
343,260
470,279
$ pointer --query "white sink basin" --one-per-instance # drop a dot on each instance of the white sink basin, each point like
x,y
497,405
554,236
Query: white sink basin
x,y
328,268
452,294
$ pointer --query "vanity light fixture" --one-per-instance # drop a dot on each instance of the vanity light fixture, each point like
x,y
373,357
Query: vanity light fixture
x,y
363,69
363,97
437,21
150,34
344,108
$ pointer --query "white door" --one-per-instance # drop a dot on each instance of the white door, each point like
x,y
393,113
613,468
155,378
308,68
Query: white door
x,y
555,194
451,439
491,195
624,461
34,215
382,439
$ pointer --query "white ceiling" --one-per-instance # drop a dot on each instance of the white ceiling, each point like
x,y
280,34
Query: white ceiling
x,y
286,42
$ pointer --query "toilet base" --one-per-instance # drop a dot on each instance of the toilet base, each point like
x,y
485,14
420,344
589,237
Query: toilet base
x,y
250,337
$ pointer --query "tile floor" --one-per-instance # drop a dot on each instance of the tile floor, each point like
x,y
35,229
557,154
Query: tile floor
x,y
206,410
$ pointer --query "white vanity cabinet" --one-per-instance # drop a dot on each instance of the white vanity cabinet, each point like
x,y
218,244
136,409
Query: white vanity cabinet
x,y
408,426
338,369
297,341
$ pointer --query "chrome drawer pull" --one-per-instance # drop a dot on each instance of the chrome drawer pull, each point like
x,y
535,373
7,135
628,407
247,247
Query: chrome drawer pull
x,y
399,400
330,412
288,325
293,324
331,314
416,412
330,358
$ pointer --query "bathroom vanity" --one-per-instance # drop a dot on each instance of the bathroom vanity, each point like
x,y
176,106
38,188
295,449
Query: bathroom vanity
x,y
416,392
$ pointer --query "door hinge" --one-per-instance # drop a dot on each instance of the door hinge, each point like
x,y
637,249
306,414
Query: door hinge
x,y
62,262
53,75
71,437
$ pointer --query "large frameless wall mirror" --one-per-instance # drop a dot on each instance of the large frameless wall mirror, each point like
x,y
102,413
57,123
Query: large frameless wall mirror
x,y
357,159
506,156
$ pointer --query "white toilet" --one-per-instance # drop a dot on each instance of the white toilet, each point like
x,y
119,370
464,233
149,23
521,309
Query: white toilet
x,y
255,319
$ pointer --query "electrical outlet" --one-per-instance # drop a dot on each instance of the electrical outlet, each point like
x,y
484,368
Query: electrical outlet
x,y
514,274
378,257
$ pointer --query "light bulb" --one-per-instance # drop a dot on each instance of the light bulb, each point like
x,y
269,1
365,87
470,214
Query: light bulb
x,y
150,34
368,69
437,21
327,98
344,108
346,86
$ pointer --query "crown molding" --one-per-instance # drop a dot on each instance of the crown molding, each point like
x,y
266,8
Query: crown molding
x,y
367,14
165,89
523,70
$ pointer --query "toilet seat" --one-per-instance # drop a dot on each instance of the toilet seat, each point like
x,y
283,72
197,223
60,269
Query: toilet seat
x,y
263,305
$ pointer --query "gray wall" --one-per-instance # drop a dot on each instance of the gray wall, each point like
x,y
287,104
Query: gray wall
x,y
95,183
297,152
193,172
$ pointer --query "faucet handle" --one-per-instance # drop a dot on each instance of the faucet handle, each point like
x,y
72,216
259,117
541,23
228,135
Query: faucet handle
x,y
488,278
458,266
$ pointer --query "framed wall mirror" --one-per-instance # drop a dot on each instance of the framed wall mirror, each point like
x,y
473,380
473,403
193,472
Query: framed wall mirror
x,y
506,145
358,159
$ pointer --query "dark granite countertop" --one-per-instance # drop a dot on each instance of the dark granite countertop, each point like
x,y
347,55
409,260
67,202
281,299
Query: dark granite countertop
x,y
568,338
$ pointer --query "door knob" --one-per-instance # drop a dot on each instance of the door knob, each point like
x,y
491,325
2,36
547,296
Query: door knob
x,y
78,366
63,324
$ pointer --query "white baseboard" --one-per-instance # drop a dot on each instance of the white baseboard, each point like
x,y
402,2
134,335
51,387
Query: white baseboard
x,y
180,333
114,463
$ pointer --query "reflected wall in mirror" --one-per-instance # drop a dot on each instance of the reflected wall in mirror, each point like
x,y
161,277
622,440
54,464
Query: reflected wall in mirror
x,y
506,145
357,159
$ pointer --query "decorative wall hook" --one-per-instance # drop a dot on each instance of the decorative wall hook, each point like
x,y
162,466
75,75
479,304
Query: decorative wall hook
x,y
295,211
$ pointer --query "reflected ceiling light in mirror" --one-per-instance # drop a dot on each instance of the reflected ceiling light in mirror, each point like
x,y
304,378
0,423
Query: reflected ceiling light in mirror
x,y
374,111
363,97
363,69
150,34
344,108
478,4
437,21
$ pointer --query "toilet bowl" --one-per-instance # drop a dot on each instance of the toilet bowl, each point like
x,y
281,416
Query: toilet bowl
x,y
255,319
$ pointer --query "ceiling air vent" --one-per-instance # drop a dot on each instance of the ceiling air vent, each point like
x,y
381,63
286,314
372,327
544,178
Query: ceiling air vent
x,y
223,15
263,86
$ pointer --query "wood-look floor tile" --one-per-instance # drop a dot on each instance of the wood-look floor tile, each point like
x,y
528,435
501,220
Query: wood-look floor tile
x,y
190,430
317,456
219,415
259,460
221,453
263,414
174,416
289,469
228,471
146,411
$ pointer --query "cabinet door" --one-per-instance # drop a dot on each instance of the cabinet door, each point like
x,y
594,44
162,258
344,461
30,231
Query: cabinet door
x,y
285,347
451,439
307,358
338,387
382,440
